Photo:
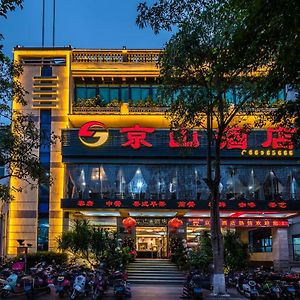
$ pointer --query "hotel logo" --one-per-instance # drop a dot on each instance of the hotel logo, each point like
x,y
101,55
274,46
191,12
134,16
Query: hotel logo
x,y
93,134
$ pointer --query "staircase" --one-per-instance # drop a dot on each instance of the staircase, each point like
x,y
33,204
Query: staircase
x,y
154,271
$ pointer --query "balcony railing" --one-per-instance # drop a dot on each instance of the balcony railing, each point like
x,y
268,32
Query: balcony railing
x,y
115,56
143,110
96,110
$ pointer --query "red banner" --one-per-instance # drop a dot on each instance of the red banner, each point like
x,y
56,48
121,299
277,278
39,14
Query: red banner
x,y
205,222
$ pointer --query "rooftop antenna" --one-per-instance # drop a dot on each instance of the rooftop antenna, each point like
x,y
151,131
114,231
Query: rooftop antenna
x,y
43,25
53,38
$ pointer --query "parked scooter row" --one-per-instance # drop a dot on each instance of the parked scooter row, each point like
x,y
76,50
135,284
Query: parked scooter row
x,y
73,282
268,285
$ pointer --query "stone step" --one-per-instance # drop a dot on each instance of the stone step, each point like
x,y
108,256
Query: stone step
x,y
155,281
154,271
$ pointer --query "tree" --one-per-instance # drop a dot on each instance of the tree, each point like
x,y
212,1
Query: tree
x,y
94,245
19,143
268,35
207,87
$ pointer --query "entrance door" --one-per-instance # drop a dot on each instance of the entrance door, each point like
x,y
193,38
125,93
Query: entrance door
x,y
151,242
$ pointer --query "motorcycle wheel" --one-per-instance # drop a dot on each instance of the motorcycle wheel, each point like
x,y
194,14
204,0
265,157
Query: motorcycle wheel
x,y
61,294
48,290
74,295
252,297
4,294
29,295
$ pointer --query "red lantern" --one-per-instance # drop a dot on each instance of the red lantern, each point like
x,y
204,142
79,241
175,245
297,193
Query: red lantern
x,y
175,222
129,222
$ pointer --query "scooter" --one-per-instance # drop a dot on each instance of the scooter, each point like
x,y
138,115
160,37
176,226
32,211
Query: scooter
x,y
196,287
62,285
80,287
120,284
247,287
99,286
17,285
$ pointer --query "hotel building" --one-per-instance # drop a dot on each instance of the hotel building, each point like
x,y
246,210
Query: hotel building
x,y
117,158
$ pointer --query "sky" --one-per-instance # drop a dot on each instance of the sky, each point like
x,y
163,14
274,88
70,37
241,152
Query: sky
x,y
100,24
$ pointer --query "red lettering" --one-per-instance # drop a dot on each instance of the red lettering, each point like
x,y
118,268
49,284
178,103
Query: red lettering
x,y
279,138
234,138
137,136
183,139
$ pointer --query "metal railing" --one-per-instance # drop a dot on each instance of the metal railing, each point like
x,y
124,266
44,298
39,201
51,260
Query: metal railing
x,y
115,56
96,110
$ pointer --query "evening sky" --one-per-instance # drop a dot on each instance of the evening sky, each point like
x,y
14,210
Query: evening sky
x,y
100,24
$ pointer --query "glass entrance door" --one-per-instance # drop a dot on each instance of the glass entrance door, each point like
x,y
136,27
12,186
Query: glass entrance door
x,y
151,242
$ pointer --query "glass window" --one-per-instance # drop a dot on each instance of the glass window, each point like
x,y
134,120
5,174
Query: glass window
x,y
260,240
104,94
145,93
46,71
91,92
125,94
43,234
80,92
114,94
296,247
135,94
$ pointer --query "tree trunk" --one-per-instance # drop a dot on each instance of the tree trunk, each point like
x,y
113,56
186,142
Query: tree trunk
x,y
218,279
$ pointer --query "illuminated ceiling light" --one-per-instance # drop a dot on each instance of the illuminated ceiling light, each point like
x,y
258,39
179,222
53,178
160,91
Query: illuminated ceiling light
x,y
152,214
100,214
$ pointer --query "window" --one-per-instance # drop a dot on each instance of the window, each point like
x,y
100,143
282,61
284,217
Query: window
x,y
296,247
260,240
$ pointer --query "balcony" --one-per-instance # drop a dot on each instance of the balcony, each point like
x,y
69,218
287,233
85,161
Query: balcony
x,y
115,56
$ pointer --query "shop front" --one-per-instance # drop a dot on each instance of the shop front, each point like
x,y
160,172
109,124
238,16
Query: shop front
x,y
145,173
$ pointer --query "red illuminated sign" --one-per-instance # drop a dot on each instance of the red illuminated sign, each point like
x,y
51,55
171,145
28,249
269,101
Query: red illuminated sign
x,y
235,138
182,140
278,142
137,136
205,222
279,138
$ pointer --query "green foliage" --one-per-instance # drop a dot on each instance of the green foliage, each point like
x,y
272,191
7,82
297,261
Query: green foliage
x,y
178,253
96,102
148,102
94,245
201,258
49,257
236,252
18,147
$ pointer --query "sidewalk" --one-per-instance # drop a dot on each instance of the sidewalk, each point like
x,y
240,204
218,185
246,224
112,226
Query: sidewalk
x,y
167,292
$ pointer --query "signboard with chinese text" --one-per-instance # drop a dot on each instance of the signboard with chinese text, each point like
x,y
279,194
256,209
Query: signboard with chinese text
x,y
228,222
139,141
230,205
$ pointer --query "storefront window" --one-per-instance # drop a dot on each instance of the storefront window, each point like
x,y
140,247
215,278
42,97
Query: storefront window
x,y
296,247
180,182
260,240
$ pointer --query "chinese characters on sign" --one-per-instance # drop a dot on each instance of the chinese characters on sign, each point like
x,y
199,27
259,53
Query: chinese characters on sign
x,y
205,222
182,204
277,142
234,138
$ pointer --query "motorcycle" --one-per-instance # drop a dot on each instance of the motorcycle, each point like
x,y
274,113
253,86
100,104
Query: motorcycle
x,y
196,287
81,287
271,291
121,286
247,287
288,291
62,285
99,286
17,285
